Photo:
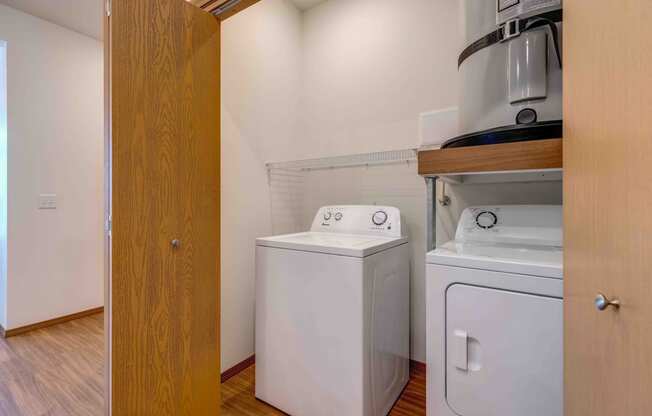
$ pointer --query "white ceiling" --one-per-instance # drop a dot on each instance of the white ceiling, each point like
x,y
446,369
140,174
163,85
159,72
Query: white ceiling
x,y
83,16
306,4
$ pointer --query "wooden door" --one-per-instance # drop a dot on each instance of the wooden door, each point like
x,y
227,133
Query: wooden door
x,y
608,200
164,86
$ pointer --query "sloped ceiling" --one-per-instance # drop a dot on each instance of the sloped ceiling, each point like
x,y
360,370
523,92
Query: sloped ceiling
x,y
83,16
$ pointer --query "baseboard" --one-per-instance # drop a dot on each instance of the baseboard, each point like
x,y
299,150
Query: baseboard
x,y
50,322
238,368
417,366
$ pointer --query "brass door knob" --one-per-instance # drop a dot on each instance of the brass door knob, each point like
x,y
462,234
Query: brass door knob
x,y
602,302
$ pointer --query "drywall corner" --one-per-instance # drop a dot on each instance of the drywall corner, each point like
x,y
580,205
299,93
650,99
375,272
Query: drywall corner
x,y
3,183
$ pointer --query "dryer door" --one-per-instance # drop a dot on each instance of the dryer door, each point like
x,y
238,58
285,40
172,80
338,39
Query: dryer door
x,y
503,353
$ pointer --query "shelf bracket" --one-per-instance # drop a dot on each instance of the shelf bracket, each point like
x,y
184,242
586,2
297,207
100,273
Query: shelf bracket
x,y
443,199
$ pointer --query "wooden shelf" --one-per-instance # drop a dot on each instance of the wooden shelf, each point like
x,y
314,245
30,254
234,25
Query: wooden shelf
x,y
520,156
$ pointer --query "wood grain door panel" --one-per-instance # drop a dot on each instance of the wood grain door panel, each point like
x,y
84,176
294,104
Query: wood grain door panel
x,y
165,119
607,198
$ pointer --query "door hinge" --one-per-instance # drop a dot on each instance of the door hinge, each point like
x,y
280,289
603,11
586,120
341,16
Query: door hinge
x,y
107,6
108,224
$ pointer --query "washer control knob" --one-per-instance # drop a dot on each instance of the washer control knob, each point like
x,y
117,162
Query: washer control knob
x,y
486,220
327,215
379,218
338,216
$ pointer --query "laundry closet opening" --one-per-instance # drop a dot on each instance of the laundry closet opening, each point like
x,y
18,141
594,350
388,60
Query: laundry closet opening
x,y
325,103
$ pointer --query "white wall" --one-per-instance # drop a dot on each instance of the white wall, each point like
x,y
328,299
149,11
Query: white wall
x,y
261,58
371,66
55,145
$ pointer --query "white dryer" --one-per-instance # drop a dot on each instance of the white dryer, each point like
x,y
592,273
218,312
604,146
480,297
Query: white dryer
x,y
332,314
495,315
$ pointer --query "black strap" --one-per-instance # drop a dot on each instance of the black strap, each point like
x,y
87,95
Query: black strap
x,y
537,22
544,19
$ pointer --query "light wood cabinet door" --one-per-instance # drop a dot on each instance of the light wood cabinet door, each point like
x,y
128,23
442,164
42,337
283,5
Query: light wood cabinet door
x,y
164,88
608,200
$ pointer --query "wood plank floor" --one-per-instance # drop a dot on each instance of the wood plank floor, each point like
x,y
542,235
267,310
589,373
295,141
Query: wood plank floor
x,y
238,397
55,371
58,371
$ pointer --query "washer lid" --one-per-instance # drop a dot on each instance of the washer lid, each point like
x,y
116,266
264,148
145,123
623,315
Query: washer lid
x,y
534,260
351,245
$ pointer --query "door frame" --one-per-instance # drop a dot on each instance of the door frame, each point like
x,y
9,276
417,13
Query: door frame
x,y
108,174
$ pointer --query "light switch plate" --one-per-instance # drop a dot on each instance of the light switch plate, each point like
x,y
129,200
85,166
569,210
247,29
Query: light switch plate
x,y
47,201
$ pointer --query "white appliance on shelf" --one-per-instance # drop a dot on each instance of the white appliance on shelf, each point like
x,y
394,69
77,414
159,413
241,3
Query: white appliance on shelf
x,y
494,315
332,314
510,71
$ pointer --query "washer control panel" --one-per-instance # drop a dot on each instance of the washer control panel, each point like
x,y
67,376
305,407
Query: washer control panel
x,y
359,219
517,224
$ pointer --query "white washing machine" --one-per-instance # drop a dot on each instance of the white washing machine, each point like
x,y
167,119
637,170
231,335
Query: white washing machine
x,y
333,314
495,315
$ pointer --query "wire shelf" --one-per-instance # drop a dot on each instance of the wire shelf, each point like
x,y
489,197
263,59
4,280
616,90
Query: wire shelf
x,y
347,161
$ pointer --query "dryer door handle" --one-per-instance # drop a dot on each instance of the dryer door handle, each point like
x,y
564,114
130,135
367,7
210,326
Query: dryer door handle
x,y
460,353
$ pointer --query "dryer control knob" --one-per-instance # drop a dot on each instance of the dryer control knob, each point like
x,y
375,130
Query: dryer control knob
x,y
379,218
486,220
327,215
